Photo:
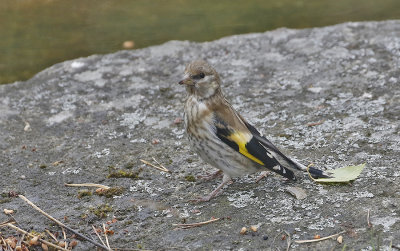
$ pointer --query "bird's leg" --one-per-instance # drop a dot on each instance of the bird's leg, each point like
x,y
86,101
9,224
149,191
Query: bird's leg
x,y
225,180
210,176
263,175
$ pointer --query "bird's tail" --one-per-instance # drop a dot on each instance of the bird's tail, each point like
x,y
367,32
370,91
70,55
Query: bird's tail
x,y
314,172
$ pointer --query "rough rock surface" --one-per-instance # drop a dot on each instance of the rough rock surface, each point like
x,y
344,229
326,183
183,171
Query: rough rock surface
x,y
328,95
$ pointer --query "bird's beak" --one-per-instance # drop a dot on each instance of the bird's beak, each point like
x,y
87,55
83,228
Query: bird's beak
x,y
186,81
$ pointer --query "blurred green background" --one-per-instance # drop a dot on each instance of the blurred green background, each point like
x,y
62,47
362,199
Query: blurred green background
x,y
35,34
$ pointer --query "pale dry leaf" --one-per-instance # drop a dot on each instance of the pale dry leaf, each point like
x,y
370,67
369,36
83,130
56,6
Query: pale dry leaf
x,y
344,174
297,192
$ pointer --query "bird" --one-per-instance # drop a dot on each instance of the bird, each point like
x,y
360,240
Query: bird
x,y
225,139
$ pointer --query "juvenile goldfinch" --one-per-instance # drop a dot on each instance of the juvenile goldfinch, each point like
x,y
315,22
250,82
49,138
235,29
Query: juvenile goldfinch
x,y
222,137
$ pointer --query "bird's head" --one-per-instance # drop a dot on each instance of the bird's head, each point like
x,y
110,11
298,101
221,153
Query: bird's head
x,y
201,79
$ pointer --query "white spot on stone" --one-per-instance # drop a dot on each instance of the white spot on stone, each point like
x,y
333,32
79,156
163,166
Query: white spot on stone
x,y
119,104
149,121
114,135
100,83
274,57
131,120
242,199
367,95
393,80
71,170
89,76
363,194
77,64
138,141
27,127
103,153
278,219
58,118
371,74
337,53
145,186
184,214
162,124
276,168
315,89
386,222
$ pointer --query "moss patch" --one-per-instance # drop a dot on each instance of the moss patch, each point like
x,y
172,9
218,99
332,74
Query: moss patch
x,y
190,178
109,193
102,210
84,193
123,174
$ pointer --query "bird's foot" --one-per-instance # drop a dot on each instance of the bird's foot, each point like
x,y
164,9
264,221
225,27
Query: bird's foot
x,y
210,176
202,199
225,181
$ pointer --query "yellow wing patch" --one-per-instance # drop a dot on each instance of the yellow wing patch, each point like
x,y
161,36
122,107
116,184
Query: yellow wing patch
x,y
241,140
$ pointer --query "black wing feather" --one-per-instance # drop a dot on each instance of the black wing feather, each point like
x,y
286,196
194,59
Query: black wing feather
x,y
254,147
315,173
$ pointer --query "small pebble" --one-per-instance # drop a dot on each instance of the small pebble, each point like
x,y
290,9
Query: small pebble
x,y
265,237
61,244
128,44
243,231
45,247
34,241
8,211
73,243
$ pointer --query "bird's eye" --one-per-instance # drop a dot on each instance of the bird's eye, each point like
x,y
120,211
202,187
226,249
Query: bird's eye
x,y
199,76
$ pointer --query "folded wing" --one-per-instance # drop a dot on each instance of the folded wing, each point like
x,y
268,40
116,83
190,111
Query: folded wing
x,y
242,140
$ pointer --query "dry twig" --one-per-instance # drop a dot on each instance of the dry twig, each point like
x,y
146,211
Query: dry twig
x,y
20,240
198,224
51,235
6,222
95,231
62,224
288,240
321,239
105,234
65,238
31,235
160,167
2,240
88,185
